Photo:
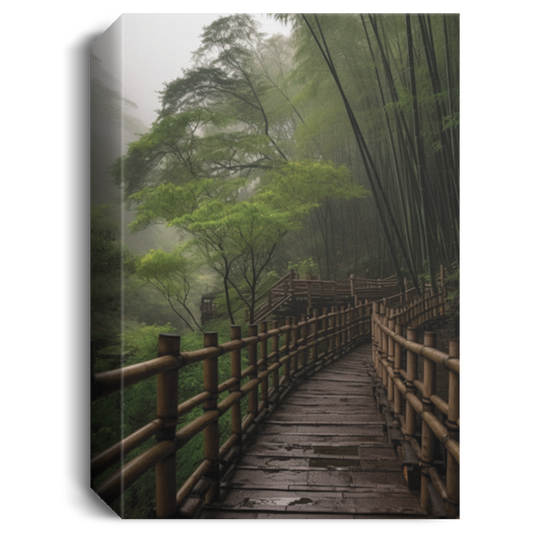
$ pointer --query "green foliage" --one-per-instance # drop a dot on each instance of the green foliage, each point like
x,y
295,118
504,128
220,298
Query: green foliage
x,y
452,285
304,267
306,184
106,265
172,275
450,121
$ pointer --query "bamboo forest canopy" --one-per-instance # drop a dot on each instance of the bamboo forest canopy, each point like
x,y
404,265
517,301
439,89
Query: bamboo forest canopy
x,y
336,147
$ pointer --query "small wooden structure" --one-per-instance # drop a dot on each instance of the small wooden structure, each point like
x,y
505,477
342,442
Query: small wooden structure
x,y
208,308
292,295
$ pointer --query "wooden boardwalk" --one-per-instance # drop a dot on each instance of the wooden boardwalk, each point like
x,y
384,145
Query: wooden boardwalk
x,y
324,453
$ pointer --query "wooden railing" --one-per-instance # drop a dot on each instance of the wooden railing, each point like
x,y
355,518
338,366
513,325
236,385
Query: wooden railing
x,y
276,358
422,386
355,290
265,365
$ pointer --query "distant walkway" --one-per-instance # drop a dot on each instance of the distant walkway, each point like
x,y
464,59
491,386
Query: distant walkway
x,y
324,453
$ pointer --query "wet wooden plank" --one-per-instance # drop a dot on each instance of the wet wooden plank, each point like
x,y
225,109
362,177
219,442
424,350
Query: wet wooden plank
x,y
319,502
289,440
321,429
279,479
361,481
348,418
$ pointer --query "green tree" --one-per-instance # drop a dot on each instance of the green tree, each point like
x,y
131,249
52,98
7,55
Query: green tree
x,y
229,77
215,163
172,275
237,234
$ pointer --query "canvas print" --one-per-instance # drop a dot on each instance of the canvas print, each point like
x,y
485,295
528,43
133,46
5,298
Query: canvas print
x,y
275,266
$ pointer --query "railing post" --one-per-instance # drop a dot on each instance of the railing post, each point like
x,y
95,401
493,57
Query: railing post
x,y
315,335
275,351
375,334
236,415
253,403
288,342
333,340
390,360
211,434
263,362
412,374
356,322
295,338
343,328
428,439
167,411
452,466
349,325
305,334
397,368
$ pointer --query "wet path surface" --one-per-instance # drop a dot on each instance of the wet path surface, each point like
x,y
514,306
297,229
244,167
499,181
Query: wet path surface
x,y
324,453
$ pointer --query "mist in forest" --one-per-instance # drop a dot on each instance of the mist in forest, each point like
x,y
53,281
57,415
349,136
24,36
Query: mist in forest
x,y
327,145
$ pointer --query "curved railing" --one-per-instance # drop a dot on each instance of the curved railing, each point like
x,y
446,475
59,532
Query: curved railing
x,y
266,363
275,359
422,386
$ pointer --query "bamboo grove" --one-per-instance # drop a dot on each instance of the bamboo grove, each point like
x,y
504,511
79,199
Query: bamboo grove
x,y
397,77
376,95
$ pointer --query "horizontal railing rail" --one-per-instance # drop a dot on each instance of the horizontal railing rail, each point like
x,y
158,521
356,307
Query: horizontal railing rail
x,y
422,386
278,357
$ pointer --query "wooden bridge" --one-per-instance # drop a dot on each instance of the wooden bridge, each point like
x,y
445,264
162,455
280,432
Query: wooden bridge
x,y
347,413
290,294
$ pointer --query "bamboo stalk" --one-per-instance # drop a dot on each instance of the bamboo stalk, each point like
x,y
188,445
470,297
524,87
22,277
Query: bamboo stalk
x,y
390,361
263,363
288,341
187,432
236,416
428,439
111,488
275,351
305,353
232,399
167,410
108,457
114,380
315,335
397,368
211,432
186,488
452,465
295,342
333,337
253,402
